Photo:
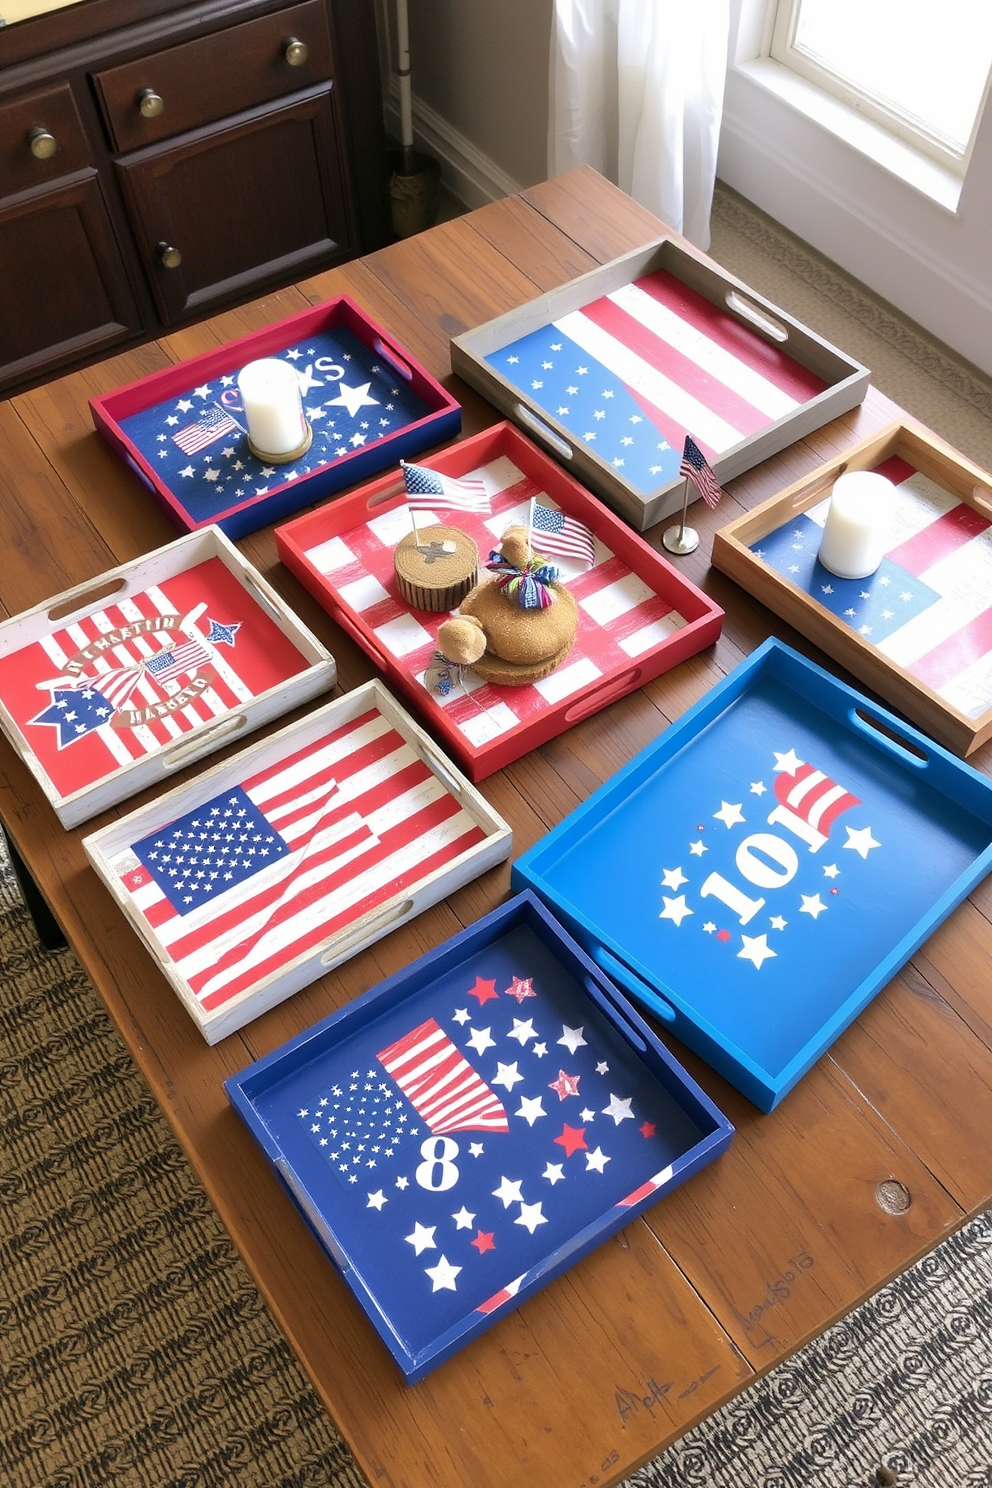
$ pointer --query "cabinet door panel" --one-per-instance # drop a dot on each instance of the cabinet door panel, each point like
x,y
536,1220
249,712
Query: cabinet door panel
x,y
63,293
256,199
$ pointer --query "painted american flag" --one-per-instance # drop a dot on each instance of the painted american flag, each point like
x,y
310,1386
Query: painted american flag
x,y
212,424
928,608
291,855
630,374
620,616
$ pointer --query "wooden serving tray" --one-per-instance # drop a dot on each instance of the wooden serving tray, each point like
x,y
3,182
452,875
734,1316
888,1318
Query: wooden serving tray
x,y
638,616
919,631
445,1212
183,431
118,683
361,822
613,369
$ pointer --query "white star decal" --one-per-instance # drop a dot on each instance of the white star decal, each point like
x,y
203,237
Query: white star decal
x,y
830,870
475,1149
697,849
675,909
554,1172
461,1015
619,1109
202,392
790,762
463,1220
507,1074
673,878
530,1108
597,1160
756,949
758,787
812,905
422,1237
602,1068
530,1216
481,1040
443,1275
353,398
522,1031
508,1192
777,922
571,1038
729,813
377,1200
861,840
709,927
184,405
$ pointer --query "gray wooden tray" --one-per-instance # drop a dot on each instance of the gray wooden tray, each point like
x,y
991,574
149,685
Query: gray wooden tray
x,y
611,387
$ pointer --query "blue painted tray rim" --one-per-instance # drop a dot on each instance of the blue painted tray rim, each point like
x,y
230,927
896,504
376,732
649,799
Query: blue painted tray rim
x,y
950,776
244,1089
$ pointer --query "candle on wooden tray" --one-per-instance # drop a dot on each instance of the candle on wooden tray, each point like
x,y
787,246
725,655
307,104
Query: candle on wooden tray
x,y
273,405
857,531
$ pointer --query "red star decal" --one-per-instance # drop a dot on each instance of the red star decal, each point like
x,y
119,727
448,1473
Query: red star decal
x,y
573,1138
723,935
565,1085
484,991
520,988
484,1241
647,1129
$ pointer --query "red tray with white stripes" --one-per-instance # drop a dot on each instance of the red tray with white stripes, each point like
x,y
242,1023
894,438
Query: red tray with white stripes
x,y
612,370
251,881
638,616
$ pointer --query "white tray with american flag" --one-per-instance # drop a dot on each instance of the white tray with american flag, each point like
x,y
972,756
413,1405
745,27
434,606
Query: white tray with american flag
x,y
612,370
474,1126
251,881
638,616
118,683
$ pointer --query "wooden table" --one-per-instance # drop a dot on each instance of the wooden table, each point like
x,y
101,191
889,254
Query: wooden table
x,y
759,1253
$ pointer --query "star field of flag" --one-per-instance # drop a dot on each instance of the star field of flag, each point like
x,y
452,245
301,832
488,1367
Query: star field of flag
x,y
197,443
207,851
630,374
928,608
447,1184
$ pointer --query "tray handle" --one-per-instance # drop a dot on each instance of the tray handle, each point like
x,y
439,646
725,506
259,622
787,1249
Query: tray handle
x,y
634,984
602,999
886,736
182,753
386,916
440,769
86,596
746,310
311,1211
264,597
361,638
537,426
397,363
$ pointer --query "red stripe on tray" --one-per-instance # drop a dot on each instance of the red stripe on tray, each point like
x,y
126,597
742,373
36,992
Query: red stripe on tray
x,y
939,539
951,657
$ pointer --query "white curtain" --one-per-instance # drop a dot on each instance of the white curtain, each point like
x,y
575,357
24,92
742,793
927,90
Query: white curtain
x,y
637,92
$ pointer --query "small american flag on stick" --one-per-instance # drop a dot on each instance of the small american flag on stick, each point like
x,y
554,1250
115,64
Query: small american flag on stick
x,y
428,490
695,468
556,535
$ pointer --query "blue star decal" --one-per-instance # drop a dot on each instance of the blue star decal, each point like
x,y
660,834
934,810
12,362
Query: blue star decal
x,y
75,714
223,634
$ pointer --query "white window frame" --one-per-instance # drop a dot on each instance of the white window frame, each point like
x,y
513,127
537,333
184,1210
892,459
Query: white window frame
x,y
780,32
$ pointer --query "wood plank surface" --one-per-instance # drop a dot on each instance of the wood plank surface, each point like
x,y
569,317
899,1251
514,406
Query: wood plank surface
x,y
761,1251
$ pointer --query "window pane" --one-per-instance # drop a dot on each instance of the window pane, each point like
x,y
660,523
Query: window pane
x,y
927,59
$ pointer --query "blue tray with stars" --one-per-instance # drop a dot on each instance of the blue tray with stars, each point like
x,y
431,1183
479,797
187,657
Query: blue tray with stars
x,y
473,1126
183,431
758,874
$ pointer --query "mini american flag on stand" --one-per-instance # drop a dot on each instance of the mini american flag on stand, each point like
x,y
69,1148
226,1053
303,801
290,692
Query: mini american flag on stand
x,y
212,425
695,468
427,491
556,535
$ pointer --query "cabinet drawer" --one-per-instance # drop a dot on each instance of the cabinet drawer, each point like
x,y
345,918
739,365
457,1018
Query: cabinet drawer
x,y
207,79
33,124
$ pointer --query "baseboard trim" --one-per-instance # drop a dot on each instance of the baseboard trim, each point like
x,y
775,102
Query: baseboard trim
x,y
470,175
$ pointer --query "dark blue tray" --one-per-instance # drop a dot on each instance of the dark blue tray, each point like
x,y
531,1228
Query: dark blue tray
x,y
757,874
444,1215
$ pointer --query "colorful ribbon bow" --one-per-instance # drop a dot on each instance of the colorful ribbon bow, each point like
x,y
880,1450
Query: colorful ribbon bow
x,y
530,586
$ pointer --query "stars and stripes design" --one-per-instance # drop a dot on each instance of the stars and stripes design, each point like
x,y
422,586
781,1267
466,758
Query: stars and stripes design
x,y
457,1168
695,468
555,534
429,491
621,618
128,678
197,443
630,374
291,855
440,1084
927,607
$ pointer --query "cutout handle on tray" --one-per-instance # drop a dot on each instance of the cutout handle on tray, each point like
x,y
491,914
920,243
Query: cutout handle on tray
x,y
390,915
634,984
441,770
604,1001
886,736
185,753
78,601
264,598
397,363
540,428
311,1211
760,319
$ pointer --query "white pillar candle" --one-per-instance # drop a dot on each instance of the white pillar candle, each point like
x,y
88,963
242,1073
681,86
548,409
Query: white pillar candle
x,y
858,526
273,405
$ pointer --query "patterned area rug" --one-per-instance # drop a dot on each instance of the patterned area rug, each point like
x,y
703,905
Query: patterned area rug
x,y
134,1349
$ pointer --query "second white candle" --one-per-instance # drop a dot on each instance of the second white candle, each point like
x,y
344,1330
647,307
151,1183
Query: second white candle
x,y
270,394
857,531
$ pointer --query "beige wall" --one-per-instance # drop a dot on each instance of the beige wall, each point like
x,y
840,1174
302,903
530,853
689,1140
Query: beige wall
x,y
481,66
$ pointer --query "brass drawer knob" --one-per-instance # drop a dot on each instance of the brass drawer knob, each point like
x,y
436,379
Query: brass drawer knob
x,y
150,104
43,145
170,257
296,52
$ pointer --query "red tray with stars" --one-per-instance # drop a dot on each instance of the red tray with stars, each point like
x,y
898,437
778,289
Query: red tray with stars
x,y
183,432
473,1126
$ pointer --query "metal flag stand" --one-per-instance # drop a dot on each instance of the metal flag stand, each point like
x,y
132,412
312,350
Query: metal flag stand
x,y
681,540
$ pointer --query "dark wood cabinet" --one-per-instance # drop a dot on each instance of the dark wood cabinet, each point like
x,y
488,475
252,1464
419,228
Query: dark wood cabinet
x,y
160,161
